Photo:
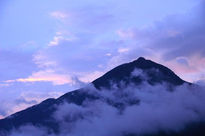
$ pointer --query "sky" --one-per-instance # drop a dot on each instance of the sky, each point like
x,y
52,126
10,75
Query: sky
x,y
48,48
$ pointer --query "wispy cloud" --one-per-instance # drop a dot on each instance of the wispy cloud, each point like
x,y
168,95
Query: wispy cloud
x,y
46,76
123,50
59,15
62,37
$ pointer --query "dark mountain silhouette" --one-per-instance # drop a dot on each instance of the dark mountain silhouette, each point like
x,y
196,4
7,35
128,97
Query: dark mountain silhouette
x,y
157,74
41,114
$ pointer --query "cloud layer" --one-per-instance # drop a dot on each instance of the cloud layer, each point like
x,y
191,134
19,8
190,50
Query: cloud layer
x,y
139,110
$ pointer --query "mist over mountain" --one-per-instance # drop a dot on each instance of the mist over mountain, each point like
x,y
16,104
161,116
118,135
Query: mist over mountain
x,y
140,98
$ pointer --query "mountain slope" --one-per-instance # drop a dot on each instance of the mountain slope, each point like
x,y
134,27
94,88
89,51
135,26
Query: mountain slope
x,y
123,75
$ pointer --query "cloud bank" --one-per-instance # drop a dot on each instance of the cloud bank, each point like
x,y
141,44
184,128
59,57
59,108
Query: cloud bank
x,y
138,110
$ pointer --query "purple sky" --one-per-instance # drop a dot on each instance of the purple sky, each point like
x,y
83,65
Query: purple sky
x,y
48,47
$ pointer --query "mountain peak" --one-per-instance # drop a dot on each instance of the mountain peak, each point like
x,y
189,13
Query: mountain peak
x,y
141,59
155,72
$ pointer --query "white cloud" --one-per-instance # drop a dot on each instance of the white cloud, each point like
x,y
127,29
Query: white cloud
x,y
125,34
123,50
61,37
56,40
59,15
157,106
43,61
108,54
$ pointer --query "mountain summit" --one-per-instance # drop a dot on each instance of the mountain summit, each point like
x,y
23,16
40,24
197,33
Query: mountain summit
x,y
133,73
155,73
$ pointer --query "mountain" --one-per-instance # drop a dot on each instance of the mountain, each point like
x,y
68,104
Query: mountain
x,y
134,73
157,74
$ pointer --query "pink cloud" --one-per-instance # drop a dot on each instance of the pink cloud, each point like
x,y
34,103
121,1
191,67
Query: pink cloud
x,y
46,76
